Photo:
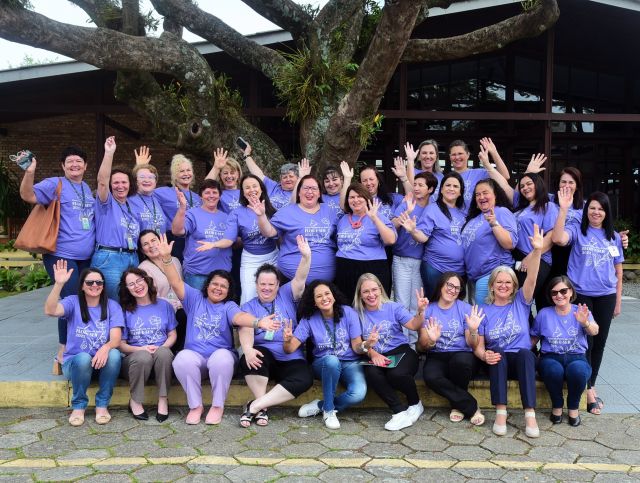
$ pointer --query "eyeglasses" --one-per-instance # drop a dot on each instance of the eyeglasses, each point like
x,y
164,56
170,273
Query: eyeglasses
x,y
91,283
146,177
562,291
309,188
452,287
137,281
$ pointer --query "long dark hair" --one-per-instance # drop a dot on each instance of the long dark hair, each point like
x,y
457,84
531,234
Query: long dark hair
x,y
501,198
541,198
459,202
84,309
361,191
264,196
302,180
141,256
128,301
383,192
607,223
444,278
578,196
222,274
307,304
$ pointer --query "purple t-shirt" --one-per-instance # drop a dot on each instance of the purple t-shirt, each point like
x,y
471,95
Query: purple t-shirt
x,y
149,324
116,224
444,250
506,328
279,198
592,260
166,196
328,338
405,245
362,243
202,225
209,325
318,229
230,200
573,215
389,320
434,196
333,202
243,222
482,252
284,306
77,233
560,334
88,337
471,177
544,219
149,212
388,210
453,324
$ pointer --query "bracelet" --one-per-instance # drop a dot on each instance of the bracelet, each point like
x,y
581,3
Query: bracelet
x,y
587,325
255,323
473,334
245,156
167,262
493,225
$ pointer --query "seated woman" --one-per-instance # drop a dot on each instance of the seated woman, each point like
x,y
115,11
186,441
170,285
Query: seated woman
x,y
94,328
264,355
334,328
504,343
379,315
149,334
562,331
208,347
450,363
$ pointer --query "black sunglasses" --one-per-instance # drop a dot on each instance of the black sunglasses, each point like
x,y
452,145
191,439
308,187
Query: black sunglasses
x,y
91,283
562,291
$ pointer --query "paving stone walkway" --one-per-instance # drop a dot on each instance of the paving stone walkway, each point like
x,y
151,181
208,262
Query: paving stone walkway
x,y
39,445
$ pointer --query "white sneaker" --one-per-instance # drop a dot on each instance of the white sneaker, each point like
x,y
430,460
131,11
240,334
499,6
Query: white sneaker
x,y
399,421
310,409
330,419
415,411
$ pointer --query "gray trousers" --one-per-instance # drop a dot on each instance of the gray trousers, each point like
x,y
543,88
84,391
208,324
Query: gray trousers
x,y
137,366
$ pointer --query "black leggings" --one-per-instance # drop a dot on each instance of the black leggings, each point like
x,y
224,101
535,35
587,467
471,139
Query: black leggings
x,y
385,382
602,310
295,375
448,374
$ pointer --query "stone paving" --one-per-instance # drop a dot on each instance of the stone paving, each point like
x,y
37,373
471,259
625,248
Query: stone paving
x,y
39,445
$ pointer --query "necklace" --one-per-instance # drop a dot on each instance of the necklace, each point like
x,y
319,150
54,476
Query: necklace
x,y
358,223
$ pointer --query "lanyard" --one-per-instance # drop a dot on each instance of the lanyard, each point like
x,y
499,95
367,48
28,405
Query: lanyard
x,y
153,202
271,310
82,197
129,219
332,335
190,202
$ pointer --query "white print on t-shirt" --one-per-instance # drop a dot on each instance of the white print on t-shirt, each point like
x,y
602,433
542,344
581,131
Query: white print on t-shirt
x,y
214,231
456,228
449,337
349,239
469,234
334,206
561,344
207,330
280,200
92,339
149,219
505,332
254,234
341,344
149,334
596,251
384,335
318,234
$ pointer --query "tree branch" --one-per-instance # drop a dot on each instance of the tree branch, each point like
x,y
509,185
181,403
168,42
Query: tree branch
x,y
210,27
130,16
284,13
524,25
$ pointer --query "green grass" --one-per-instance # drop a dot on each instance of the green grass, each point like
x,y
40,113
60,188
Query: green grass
x,y
4,293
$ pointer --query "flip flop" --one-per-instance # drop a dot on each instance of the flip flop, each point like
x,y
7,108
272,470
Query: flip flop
x,y
591,406
600,402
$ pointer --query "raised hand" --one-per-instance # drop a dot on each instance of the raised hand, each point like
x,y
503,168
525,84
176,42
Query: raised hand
x,y
483,156
422,301
399,168
182,199
164,247
60,273
565,198
410,153
538,237
434,330
490,216
304,167
535,165
373,337
372,208
142,157
32,166
247,151
220,158
407,222
303,246
582,314
347,171
488,145
110,145
411,202
257,206
474,318
287,330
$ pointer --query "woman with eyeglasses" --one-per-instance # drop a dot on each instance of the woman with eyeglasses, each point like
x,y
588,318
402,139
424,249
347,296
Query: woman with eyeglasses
x,y
149,334
145,203
562,330
446,337
208,348
595,268
362,235
308,217
94,328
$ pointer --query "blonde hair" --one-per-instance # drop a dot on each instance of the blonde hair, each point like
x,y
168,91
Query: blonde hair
x,y
492,278
152,169
176,161
358,305
234,166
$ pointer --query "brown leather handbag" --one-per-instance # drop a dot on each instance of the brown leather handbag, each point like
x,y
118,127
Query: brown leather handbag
x,y
39,233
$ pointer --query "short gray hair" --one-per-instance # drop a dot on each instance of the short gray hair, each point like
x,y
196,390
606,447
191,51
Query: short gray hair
x,y
285,168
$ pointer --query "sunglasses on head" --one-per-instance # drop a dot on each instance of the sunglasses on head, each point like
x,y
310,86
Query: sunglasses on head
x,y
562,291
91,283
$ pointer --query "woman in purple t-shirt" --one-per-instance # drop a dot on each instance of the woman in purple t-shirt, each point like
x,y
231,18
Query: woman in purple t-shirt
x,y
362,234
503,340
379,315
562,331
450,363
94,329
334,328
595,268
149,334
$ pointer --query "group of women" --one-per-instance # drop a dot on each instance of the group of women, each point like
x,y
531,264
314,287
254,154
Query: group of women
x,y
315,263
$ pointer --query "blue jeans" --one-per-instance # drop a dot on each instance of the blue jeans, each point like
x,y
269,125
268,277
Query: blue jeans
x,y
112,265
430,277
70,288
331,370
195,281
554,369
78,370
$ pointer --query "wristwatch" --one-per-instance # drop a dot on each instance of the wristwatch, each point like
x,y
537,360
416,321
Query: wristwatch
x,y
363,348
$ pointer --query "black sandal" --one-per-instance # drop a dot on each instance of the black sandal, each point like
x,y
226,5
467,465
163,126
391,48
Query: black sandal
x,y
247,416
262,418
591,406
